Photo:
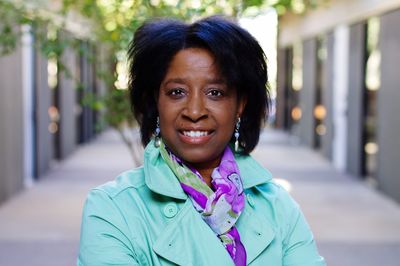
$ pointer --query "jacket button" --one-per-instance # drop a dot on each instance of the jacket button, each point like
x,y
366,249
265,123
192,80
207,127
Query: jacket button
x,y
170,210
250,200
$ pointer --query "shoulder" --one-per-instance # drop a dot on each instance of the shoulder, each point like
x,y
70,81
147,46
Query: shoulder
x,y
105,231
131,179
274,204
260,184
275,194
107,199
276,201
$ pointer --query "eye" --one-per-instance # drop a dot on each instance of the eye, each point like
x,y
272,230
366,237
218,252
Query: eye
x,y
215,93
176,92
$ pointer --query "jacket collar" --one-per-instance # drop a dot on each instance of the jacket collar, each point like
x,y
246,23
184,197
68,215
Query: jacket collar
x,y
158,176
187,237
160,179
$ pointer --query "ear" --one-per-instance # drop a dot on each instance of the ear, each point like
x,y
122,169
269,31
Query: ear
x,y
241,106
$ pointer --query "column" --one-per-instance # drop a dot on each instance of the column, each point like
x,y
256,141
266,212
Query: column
x,y
388,131
356,99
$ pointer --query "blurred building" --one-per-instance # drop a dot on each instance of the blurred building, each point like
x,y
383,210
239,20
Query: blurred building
x,y
42,118
338,86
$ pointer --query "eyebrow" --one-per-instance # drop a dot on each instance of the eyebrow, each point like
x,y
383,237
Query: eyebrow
x,y
182,80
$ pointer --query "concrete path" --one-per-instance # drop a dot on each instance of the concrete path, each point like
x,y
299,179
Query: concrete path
x,y
354,225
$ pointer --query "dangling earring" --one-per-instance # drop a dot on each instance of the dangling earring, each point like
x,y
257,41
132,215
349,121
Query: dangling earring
x,y
237,134
157,137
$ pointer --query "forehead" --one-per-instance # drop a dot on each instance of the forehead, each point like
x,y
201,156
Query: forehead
x,y
194,59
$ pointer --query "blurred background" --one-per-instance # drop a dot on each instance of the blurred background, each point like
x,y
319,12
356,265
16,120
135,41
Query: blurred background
x,y
331,138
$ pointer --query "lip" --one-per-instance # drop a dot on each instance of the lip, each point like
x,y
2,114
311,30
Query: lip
x,y
195,139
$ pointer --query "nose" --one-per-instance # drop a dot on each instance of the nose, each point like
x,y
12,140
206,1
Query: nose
x,y
195,108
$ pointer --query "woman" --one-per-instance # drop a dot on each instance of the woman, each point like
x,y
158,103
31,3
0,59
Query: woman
x,y
199,94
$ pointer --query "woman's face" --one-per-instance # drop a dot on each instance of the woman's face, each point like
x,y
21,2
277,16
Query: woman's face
x,y
197,109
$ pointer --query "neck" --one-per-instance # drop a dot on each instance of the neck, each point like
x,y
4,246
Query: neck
x,y
206,175
206,169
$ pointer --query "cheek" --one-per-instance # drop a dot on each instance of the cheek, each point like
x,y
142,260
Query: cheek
x,y
168,115
226,113
160,103
166,120
163,107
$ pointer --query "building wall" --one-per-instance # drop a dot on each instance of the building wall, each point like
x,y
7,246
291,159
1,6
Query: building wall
x,y
307,93
29,142
67,105
86,115
44,146
329,16
27,75
42,117
327,98
388,106
349,103
355,98
340,92
11,125
283,78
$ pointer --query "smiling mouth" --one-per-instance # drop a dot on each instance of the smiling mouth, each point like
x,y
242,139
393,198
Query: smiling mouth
x,y
195,133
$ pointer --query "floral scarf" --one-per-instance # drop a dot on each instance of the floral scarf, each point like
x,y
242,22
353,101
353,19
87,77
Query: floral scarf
x,y
221,208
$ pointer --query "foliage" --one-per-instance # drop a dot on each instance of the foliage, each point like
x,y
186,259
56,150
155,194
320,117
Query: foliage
x,y
10,18
297,6
112,23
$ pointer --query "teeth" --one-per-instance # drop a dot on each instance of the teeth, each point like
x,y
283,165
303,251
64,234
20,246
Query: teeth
x,y
195,134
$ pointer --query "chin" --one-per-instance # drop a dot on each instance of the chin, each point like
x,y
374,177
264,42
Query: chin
x,y
201,157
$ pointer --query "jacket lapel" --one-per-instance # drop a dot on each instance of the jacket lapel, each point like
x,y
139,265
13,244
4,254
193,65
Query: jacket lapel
x,y
251,172
188,240
158,176
255,233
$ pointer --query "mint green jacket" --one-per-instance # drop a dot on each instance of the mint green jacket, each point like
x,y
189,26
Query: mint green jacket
x,y
145,218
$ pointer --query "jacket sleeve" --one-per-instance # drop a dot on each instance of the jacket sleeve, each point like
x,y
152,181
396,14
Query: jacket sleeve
x,y
299,245
104,234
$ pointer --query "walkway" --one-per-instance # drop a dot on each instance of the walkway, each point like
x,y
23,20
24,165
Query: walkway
x,y
353,224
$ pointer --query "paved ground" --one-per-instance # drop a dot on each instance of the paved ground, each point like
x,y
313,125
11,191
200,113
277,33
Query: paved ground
x,y
354,225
